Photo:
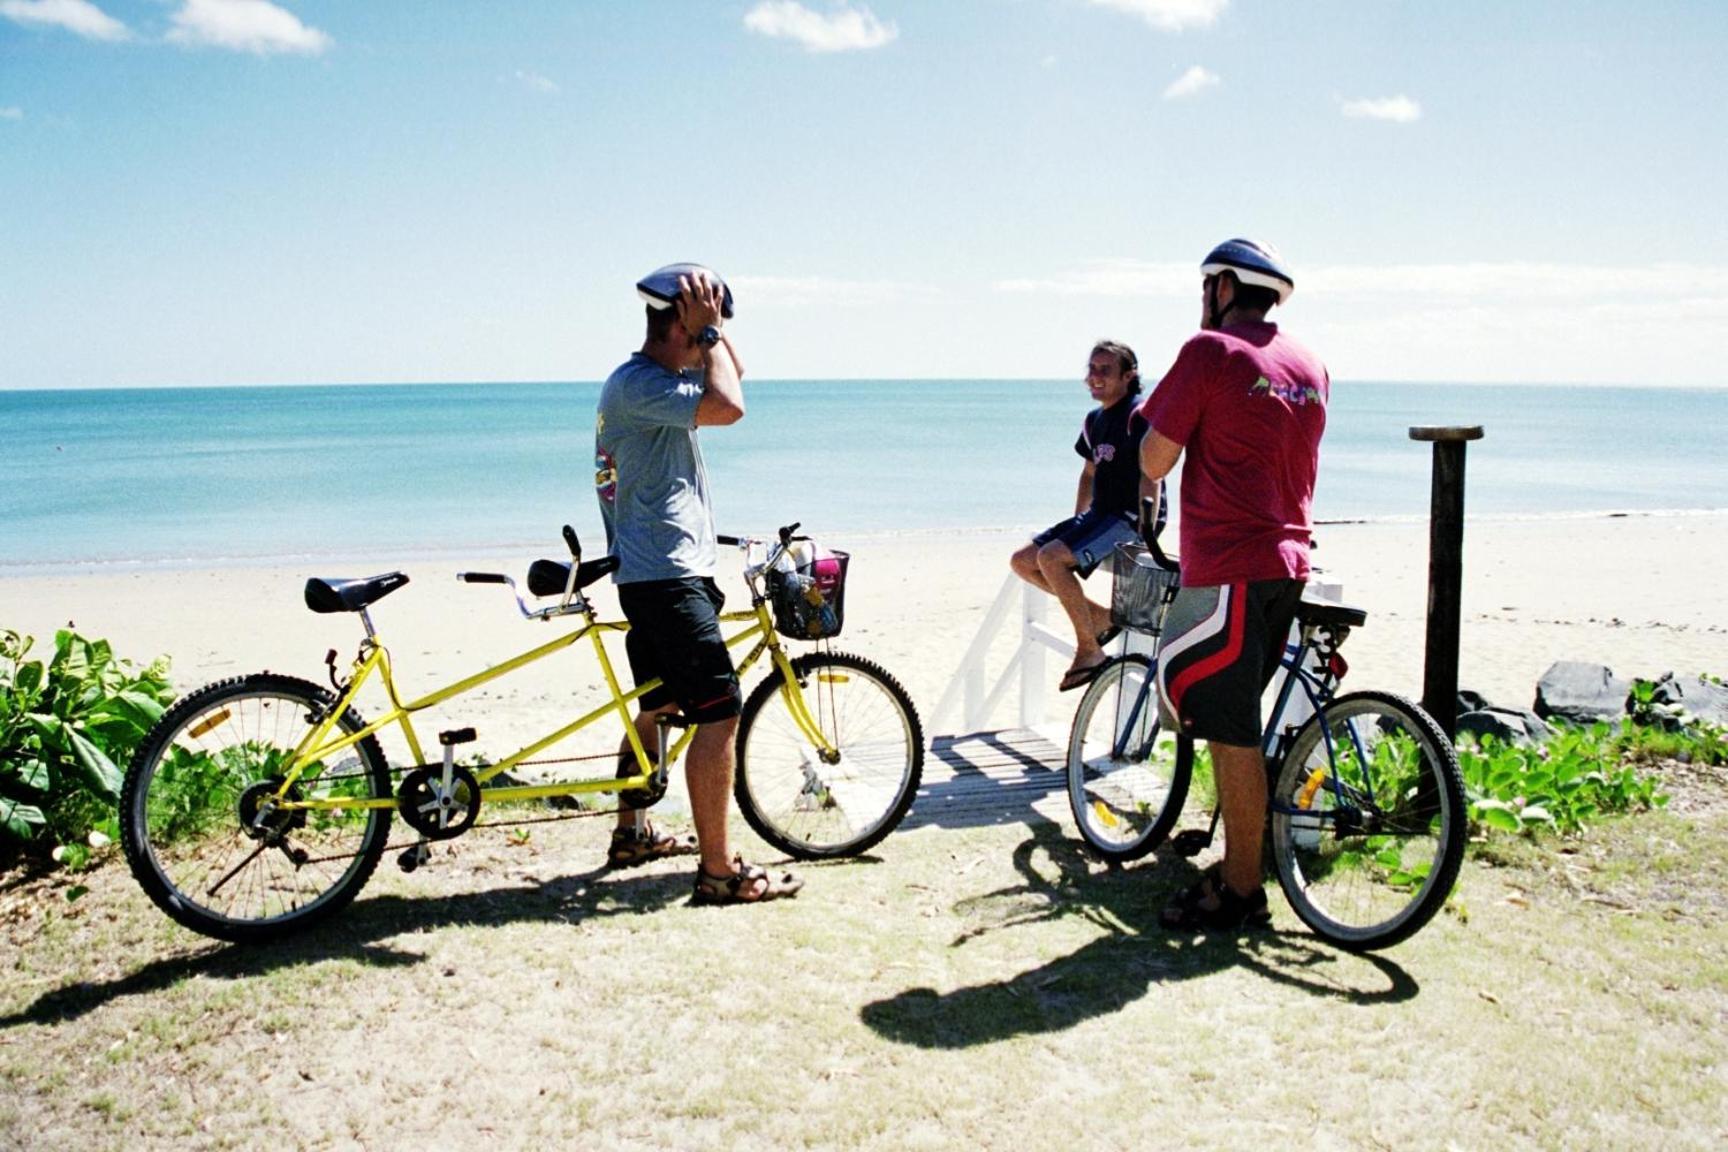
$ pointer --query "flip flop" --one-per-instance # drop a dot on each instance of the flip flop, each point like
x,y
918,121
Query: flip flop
x,y
1080,677
1109,634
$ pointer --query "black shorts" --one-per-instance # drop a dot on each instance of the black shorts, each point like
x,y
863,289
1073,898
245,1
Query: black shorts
x,y
1091,537
1222,644
675,637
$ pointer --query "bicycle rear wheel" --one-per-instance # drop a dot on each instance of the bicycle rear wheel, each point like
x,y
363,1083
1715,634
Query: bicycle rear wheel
x,y
1368,820
812,805
196,819
1127,775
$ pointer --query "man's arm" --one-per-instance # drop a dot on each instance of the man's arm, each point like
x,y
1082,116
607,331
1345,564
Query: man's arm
x,y
1083,498
699,304
1158,455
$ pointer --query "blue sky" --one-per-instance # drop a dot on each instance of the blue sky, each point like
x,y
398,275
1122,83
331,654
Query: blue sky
x,y
235,192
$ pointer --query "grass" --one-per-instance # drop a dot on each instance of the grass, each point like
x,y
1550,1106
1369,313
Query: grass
x,y
978,988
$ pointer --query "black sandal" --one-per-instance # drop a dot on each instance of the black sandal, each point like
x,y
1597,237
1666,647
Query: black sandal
x,y
1230,910
633,846
737,888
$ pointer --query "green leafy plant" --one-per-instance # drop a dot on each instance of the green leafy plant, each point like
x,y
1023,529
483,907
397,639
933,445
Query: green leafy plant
x,y
1560,786
66,727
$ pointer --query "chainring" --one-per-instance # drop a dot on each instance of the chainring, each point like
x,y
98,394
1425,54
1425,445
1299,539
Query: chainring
x,y
432,813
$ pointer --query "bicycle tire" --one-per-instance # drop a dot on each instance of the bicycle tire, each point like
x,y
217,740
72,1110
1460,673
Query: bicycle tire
x,y
1369,882
1127,775
799,803
204,764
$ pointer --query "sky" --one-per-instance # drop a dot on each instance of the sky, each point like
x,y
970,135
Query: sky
x,y
210,192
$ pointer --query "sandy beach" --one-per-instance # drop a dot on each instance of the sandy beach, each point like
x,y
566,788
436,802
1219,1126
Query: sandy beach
x,y
1639,593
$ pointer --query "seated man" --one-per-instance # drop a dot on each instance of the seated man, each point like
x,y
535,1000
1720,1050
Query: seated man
x,y
1106,507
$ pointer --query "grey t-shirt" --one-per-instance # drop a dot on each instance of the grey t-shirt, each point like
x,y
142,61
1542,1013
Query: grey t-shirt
x,y
649,476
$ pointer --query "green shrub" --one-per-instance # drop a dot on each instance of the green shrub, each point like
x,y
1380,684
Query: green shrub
x,y
66,728
1562,785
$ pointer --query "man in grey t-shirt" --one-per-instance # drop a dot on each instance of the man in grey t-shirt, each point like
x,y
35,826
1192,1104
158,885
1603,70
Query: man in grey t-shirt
x,y
654,501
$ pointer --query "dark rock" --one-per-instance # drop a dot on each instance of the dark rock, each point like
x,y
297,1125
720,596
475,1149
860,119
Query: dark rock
x,y
1698,696
1580,693
1508,725
1470,700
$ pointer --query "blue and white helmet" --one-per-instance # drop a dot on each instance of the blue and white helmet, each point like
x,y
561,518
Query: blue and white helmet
x,y
659,289
1253,263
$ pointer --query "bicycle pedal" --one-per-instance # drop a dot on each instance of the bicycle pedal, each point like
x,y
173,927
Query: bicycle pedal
x,y
412,857
1190,842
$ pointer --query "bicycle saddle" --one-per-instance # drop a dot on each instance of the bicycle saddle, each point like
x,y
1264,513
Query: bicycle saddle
x,y
351,595
548,577
1330,615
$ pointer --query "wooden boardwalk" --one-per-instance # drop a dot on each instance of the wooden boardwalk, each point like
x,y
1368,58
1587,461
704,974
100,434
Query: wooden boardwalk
x,y
1014,776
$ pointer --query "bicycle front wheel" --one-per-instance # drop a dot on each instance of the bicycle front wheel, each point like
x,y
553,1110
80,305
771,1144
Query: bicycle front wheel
x,y
811,801
199,823
1127,775
1368,820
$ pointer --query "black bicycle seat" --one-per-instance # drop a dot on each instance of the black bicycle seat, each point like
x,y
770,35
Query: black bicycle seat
x,y
351,595
549,577
1330,615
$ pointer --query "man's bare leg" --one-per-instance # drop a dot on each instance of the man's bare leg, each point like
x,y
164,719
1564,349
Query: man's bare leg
x,y
1241,777
1056,563
708,772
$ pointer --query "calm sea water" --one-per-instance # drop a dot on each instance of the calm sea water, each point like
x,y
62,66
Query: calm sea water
x,y
176,476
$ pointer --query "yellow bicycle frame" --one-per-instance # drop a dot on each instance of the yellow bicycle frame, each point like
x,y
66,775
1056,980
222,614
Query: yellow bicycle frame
x,y
373,659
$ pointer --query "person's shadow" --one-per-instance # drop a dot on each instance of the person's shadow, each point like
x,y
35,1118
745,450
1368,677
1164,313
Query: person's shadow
x,y
1118,967
356,934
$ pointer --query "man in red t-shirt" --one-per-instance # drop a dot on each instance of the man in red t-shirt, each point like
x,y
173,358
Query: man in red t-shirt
x,y
1247,405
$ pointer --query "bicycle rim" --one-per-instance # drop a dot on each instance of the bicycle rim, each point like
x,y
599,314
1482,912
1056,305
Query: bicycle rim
x,y
205,773
1368,821
1127,775
806,803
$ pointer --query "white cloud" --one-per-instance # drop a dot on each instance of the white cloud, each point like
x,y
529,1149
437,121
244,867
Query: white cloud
x,y
1435,284
845,29
78,16
11,113
538,82
1170,15
804,291
1397,109
255,26
1191,83
1113,278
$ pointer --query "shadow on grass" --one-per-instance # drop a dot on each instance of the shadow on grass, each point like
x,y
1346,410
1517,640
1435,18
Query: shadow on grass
x,y
357,933
1118,968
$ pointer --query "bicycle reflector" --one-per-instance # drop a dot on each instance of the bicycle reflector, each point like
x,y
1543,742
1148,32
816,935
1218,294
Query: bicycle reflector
x,y
1337,666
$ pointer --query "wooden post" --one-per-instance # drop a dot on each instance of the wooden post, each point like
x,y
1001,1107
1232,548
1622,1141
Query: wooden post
x,y
1445,571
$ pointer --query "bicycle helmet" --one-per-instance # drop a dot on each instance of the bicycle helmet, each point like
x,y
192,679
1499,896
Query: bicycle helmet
x,y
1253,263
659,289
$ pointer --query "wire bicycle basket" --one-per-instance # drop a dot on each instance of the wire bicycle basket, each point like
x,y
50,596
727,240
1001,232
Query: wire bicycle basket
x,y
1141,590
809,598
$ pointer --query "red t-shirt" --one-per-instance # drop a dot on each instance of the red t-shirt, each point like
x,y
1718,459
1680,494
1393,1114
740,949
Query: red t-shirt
x,y
1248,406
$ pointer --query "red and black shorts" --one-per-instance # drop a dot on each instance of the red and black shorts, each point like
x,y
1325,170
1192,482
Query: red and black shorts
x,y
1222,643
675,637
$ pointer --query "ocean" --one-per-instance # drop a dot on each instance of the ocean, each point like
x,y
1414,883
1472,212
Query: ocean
x,y
199,476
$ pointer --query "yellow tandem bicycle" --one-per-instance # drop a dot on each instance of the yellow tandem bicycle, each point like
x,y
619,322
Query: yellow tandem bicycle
x,y
261,804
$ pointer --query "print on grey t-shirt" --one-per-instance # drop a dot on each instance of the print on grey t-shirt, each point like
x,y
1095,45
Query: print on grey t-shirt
x,y
649,475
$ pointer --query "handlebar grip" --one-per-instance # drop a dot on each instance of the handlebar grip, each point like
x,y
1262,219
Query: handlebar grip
x,y
482,578
729,541
786,532
570,540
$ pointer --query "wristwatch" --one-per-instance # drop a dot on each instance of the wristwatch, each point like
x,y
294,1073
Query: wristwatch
x,y
710,336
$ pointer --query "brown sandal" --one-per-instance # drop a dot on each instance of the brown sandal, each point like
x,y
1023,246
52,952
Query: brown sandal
x,y
633,846
739,886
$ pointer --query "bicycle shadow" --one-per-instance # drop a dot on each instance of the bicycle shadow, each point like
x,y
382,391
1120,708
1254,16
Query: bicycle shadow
x,y
1118,968
361,931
